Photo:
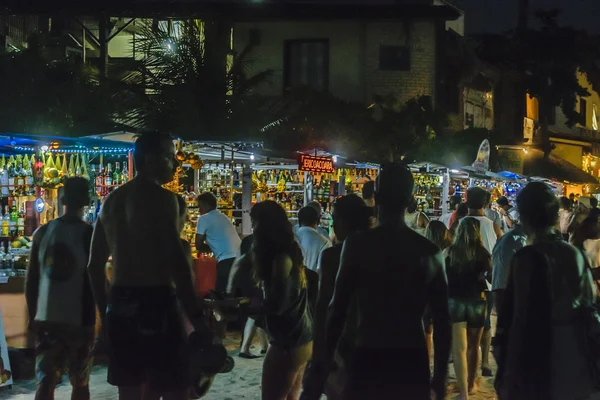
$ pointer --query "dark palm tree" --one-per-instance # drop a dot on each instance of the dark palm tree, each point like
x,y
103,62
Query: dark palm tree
x,y
185,87
43,96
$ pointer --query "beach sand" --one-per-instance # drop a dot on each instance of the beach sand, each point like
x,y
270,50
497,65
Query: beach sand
x,y
243,383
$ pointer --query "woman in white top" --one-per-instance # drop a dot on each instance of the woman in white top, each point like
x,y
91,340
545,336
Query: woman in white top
x,y
415,219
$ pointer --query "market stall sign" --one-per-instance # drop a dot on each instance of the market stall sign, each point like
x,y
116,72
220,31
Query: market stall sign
x,y
316,164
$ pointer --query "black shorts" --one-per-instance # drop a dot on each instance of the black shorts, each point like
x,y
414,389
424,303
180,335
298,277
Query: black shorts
x,y
471,311
146,340
384,373
223,270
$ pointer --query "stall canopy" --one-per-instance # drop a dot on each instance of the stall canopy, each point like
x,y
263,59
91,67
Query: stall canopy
x,y
10,143
555,168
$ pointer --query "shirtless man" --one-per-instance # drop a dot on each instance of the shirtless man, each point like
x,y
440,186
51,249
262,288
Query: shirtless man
x,y
391,283
140,316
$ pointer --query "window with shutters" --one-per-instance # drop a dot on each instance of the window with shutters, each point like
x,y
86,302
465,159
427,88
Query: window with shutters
x,y
306,63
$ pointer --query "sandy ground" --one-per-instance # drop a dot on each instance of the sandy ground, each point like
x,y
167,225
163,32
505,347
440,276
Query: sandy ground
x,y
242,383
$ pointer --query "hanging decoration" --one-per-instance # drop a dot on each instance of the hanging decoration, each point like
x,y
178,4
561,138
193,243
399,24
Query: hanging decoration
x,y
175,186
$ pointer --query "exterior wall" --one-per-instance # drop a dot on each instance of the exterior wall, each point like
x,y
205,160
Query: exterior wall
x,y
420,80
345,53
354,73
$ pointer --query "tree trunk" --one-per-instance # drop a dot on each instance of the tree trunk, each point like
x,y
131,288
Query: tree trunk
x,y
523,18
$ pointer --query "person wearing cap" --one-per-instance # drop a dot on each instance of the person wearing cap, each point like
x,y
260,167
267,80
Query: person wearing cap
x,y
59,296
509,213
582,211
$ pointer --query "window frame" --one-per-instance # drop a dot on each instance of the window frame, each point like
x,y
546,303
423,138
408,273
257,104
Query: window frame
x,y
287,62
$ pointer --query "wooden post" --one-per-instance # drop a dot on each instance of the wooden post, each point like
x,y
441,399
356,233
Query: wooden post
x,y
130,165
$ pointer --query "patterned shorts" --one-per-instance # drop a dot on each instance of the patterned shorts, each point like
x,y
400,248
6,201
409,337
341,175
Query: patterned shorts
x,y
60,348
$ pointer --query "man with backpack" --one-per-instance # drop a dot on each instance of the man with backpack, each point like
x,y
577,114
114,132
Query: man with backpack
x,y
61,305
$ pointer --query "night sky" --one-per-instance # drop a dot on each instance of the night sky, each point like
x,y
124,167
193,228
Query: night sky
x,y
501,15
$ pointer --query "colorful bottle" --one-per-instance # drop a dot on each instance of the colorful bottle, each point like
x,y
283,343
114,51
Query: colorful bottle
x,y
125,173
5,222
100,181
108,177
21,220
117,175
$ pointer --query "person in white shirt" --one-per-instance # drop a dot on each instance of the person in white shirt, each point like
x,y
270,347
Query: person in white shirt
x,y
215,233
319,210
311,242
490,233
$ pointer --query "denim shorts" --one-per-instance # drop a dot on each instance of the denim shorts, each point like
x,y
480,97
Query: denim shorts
x,y
471,311
489,298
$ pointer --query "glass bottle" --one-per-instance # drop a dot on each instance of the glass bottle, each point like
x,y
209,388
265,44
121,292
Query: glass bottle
x,y
108,177
21,220
117,175
5,222
125,173
100,181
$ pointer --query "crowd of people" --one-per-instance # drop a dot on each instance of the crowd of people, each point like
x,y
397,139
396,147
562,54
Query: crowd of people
x,y
358,315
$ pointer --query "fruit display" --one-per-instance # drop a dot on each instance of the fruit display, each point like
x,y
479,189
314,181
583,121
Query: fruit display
x,y
56,168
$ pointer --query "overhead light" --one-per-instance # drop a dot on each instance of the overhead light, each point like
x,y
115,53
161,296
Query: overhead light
x,y
334,158
252,156
44,148
454,171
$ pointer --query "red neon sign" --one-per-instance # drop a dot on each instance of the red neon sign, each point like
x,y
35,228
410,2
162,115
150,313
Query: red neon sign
x,y
316,164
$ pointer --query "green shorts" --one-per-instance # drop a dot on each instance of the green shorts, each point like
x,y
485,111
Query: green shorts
x,y
60,347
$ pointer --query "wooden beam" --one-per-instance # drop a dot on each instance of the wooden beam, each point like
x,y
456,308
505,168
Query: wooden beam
x,y
119,30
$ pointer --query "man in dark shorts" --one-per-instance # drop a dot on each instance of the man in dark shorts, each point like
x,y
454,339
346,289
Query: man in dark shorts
x,y
392,283
215,233
141,316
59,296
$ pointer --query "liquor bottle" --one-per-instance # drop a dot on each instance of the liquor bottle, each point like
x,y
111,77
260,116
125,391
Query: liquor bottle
x,y
28,171
14,219
5,222
11,174
100,181
125,174
108,177
117,175
19,172
21,220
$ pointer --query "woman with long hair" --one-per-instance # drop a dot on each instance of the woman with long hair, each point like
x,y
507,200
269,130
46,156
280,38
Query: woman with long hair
x,y
350,215
415,219
468,264
440,235
279,268
540,346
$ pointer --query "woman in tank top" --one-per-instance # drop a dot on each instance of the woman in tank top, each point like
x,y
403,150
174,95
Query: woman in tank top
x,y
468,264
415,219
279,268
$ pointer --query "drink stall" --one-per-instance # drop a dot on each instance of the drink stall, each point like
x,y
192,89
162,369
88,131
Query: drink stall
x,y
32,172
